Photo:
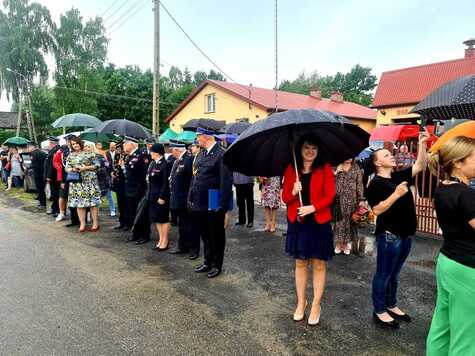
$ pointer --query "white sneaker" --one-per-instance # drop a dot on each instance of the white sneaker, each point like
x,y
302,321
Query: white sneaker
x,y
112,213
337,250
346,252
60,217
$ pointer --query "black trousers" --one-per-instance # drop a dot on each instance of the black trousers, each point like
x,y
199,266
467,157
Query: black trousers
x,y
40,188
54,188
212,232
185,230
245,201
73,212
121,203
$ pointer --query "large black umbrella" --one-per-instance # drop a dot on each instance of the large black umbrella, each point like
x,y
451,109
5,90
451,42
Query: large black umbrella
x,y
211,124
236,128
122,127
266,148
455,99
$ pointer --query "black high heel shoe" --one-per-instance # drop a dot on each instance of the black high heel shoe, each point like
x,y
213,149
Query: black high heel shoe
x,y
160,249
385,324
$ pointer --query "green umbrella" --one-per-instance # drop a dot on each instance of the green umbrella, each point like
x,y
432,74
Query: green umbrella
x,y
17,141
76,120
186,136
99,137
167,136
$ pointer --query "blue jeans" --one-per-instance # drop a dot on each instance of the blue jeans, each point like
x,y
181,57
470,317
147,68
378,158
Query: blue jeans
x,y
5,174
392,253
17,181
111,201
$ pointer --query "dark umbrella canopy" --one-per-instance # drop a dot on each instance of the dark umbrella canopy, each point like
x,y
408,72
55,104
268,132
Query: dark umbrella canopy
x,y
236,128
211,124
122,127
16,141
265,149
455,99
76,120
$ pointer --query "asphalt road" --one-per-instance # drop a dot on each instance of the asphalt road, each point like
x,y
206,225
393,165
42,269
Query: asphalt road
x,y
62,293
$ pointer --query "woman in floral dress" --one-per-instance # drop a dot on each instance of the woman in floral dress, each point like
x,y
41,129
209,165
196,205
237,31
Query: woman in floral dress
x,y
349,187
84,193
270,200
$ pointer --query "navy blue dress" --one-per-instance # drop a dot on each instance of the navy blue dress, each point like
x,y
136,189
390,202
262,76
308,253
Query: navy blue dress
x,y
308,239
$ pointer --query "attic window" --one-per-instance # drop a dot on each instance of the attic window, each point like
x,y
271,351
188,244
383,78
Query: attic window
x,y
210,103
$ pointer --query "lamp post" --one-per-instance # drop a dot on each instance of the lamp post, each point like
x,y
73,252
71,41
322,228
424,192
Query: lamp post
x,y
30,122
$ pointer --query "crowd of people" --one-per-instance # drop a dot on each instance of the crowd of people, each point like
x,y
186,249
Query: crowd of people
x,y
193,188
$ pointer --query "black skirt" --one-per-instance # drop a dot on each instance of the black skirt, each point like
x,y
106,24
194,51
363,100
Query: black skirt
x,y
309,239
159,214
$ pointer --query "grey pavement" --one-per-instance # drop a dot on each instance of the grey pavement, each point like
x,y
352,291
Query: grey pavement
x,y
64,293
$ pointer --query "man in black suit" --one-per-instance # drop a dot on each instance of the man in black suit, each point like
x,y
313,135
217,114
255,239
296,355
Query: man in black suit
x,y
211,178
51,175
38,165
136,166
180,179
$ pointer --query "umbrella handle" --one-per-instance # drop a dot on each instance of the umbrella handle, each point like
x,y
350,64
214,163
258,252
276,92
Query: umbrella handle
x,y
296,171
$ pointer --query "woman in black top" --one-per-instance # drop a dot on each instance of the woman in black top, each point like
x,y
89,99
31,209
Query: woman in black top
x,y
453,323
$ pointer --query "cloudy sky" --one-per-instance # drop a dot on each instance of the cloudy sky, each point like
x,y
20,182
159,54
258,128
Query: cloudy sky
x,y
327,36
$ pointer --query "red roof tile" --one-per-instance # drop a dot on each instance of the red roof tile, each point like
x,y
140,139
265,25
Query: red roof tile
x,y
285,100
411,85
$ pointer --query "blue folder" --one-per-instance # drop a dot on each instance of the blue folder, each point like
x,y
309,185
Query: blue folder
x,y
214,199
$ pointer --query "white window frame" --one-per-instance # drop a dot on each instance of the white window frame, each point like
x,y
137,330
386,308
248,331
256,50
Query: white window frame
x,y
210,106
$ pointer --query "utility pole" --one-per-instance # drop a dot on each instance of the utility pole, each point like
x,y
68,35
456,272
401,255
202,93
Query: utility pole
x,y
18,123
156,70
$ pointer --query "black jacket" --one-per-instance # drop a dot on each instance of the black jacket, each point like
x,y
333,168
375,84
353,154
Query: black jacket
x,y
49,171
210,173
136,167
157,177
180,180
38,158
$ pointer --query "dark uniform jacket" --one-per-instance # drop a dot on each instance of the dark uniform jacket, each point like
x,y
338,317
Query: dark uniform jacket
x,y
38,158
136,167
180,180
118,174
210,173
49,171
157,177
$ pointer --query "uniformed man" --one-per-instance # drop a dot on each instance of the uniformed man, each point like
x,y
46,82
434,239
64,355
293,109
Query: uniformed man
x,y
210,198
51,176
38,164
180,180
136,166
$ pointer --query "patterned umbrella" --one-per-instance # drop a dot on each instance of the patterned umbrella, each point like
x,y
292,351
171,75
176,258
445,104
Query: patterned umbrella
x,y
455,99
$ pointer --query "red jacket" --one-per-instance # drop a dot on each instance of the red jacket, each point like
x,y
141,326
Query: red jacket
x,y
58,164
322,193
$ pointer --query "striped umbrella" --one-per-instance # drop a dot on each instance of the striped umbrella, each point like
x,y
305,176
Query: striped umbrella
x,y
456,99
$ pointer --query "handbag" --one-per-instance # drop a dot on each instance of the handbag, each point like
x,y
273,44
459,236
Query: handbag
x,y
337,214
8,166
73,177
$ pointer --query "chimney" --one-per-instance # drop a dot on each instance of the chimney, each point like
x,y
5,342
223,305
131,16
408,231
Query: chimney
x,y
316,94
470,51
337,97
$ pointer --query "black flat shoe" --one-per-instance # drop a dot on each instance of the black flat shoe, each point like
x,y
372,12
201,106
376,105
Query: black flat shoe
x,y
250,225
126,228
194,256
177,251
142,241
214,272
119,227
202,268
383,324
404,317
71,225
239,223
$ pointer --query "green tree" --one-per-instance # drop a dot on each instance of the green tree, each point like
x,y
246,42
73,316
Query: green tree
x,y
356,85
43,105
25,38
81,49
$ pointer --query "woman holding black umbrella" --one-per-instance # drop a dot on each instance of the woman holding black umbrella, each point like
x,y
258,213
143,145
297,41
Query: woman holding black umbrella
x,y
309,232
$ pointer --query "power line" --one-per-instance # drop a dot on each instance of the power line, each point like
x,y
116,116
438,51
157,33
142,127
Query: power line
x,y
125,18
194,43
110,7
116,10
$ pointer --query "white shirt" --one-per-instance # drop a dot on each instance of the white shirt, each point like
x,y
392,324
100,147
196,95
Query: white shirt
x,y
210,148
